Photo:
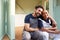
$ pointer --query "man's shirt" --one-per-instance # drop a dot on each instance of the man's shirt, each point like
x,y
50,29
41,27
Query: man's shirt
x,y
33,21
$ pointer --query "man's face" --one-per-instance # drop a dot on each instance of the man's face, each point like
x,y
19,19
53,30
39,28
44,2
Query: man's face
x,y
38,11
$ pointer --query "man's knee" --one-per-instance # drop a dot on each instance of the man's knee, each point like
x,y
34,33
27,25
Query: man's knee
x,y
41,34
37,35
26,36
46,34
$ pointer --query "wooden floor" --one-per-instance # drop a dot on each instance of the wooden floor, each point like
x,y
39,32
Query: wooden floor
x,y
5,37
18,34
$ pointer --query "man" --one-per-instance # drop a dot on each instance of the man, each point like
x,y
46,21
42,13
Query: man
x,y
31,26
45,24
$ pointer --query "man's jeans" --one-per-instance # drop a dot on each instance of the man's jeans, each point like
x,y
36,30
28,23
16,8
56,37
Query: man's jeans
x,y
37,35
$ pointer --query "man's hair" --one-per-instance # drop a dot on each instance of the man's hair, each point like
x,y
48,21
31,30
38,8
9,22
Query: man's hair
x,y
39,6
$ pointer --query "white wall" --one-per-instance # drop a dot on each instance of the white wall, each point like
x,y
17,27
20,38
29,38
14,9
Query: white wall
x,y
19,19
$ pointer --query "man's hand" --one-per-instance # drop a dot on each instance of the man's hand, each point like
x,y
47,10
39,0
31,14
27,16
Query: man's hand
x,y
36,29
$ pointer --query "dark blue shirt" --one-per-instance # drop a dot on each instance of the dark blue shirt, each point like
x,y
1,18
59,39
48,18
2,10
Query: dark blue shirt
x,y
33,21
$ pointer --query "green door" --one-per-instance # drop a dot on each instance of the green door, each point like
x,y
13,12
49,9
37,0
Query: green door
x,y
7,19
2,25
11,19
56,10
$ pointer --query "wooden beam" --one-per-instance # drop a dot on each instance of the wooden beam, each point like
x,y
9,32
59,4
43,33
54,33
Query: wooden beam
x,y
44,3
20,6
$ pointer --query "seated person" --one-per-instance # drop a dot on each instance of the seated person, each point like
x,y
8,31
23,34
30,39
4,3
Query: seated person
x,y
31,30
45,24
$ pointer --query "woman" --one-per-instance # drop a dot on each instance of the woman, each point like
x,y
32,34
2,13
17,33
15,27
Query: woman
x,y
45,24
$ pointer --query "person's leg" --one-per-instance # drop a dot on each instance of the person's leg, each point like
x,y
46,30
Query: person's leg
x,y
46,35
39,35
57,37
26,35
36,35
51,35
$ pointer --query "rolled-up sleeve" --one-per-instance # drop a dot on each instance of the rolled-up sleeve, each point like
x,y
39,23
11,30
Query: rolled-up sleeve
x,y
26,20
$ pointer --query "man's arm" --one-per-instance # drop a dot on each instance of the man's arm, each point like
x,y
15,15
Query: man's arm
x,y
28,28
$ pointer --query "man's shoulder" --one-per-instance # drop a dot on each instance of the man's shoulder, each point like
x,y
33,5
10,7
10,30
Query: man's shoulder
x,y
27,18
28,15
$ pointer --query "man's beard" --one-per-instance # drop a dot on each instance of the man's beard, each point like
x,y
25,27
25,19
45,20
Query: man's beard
x,y
37,14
